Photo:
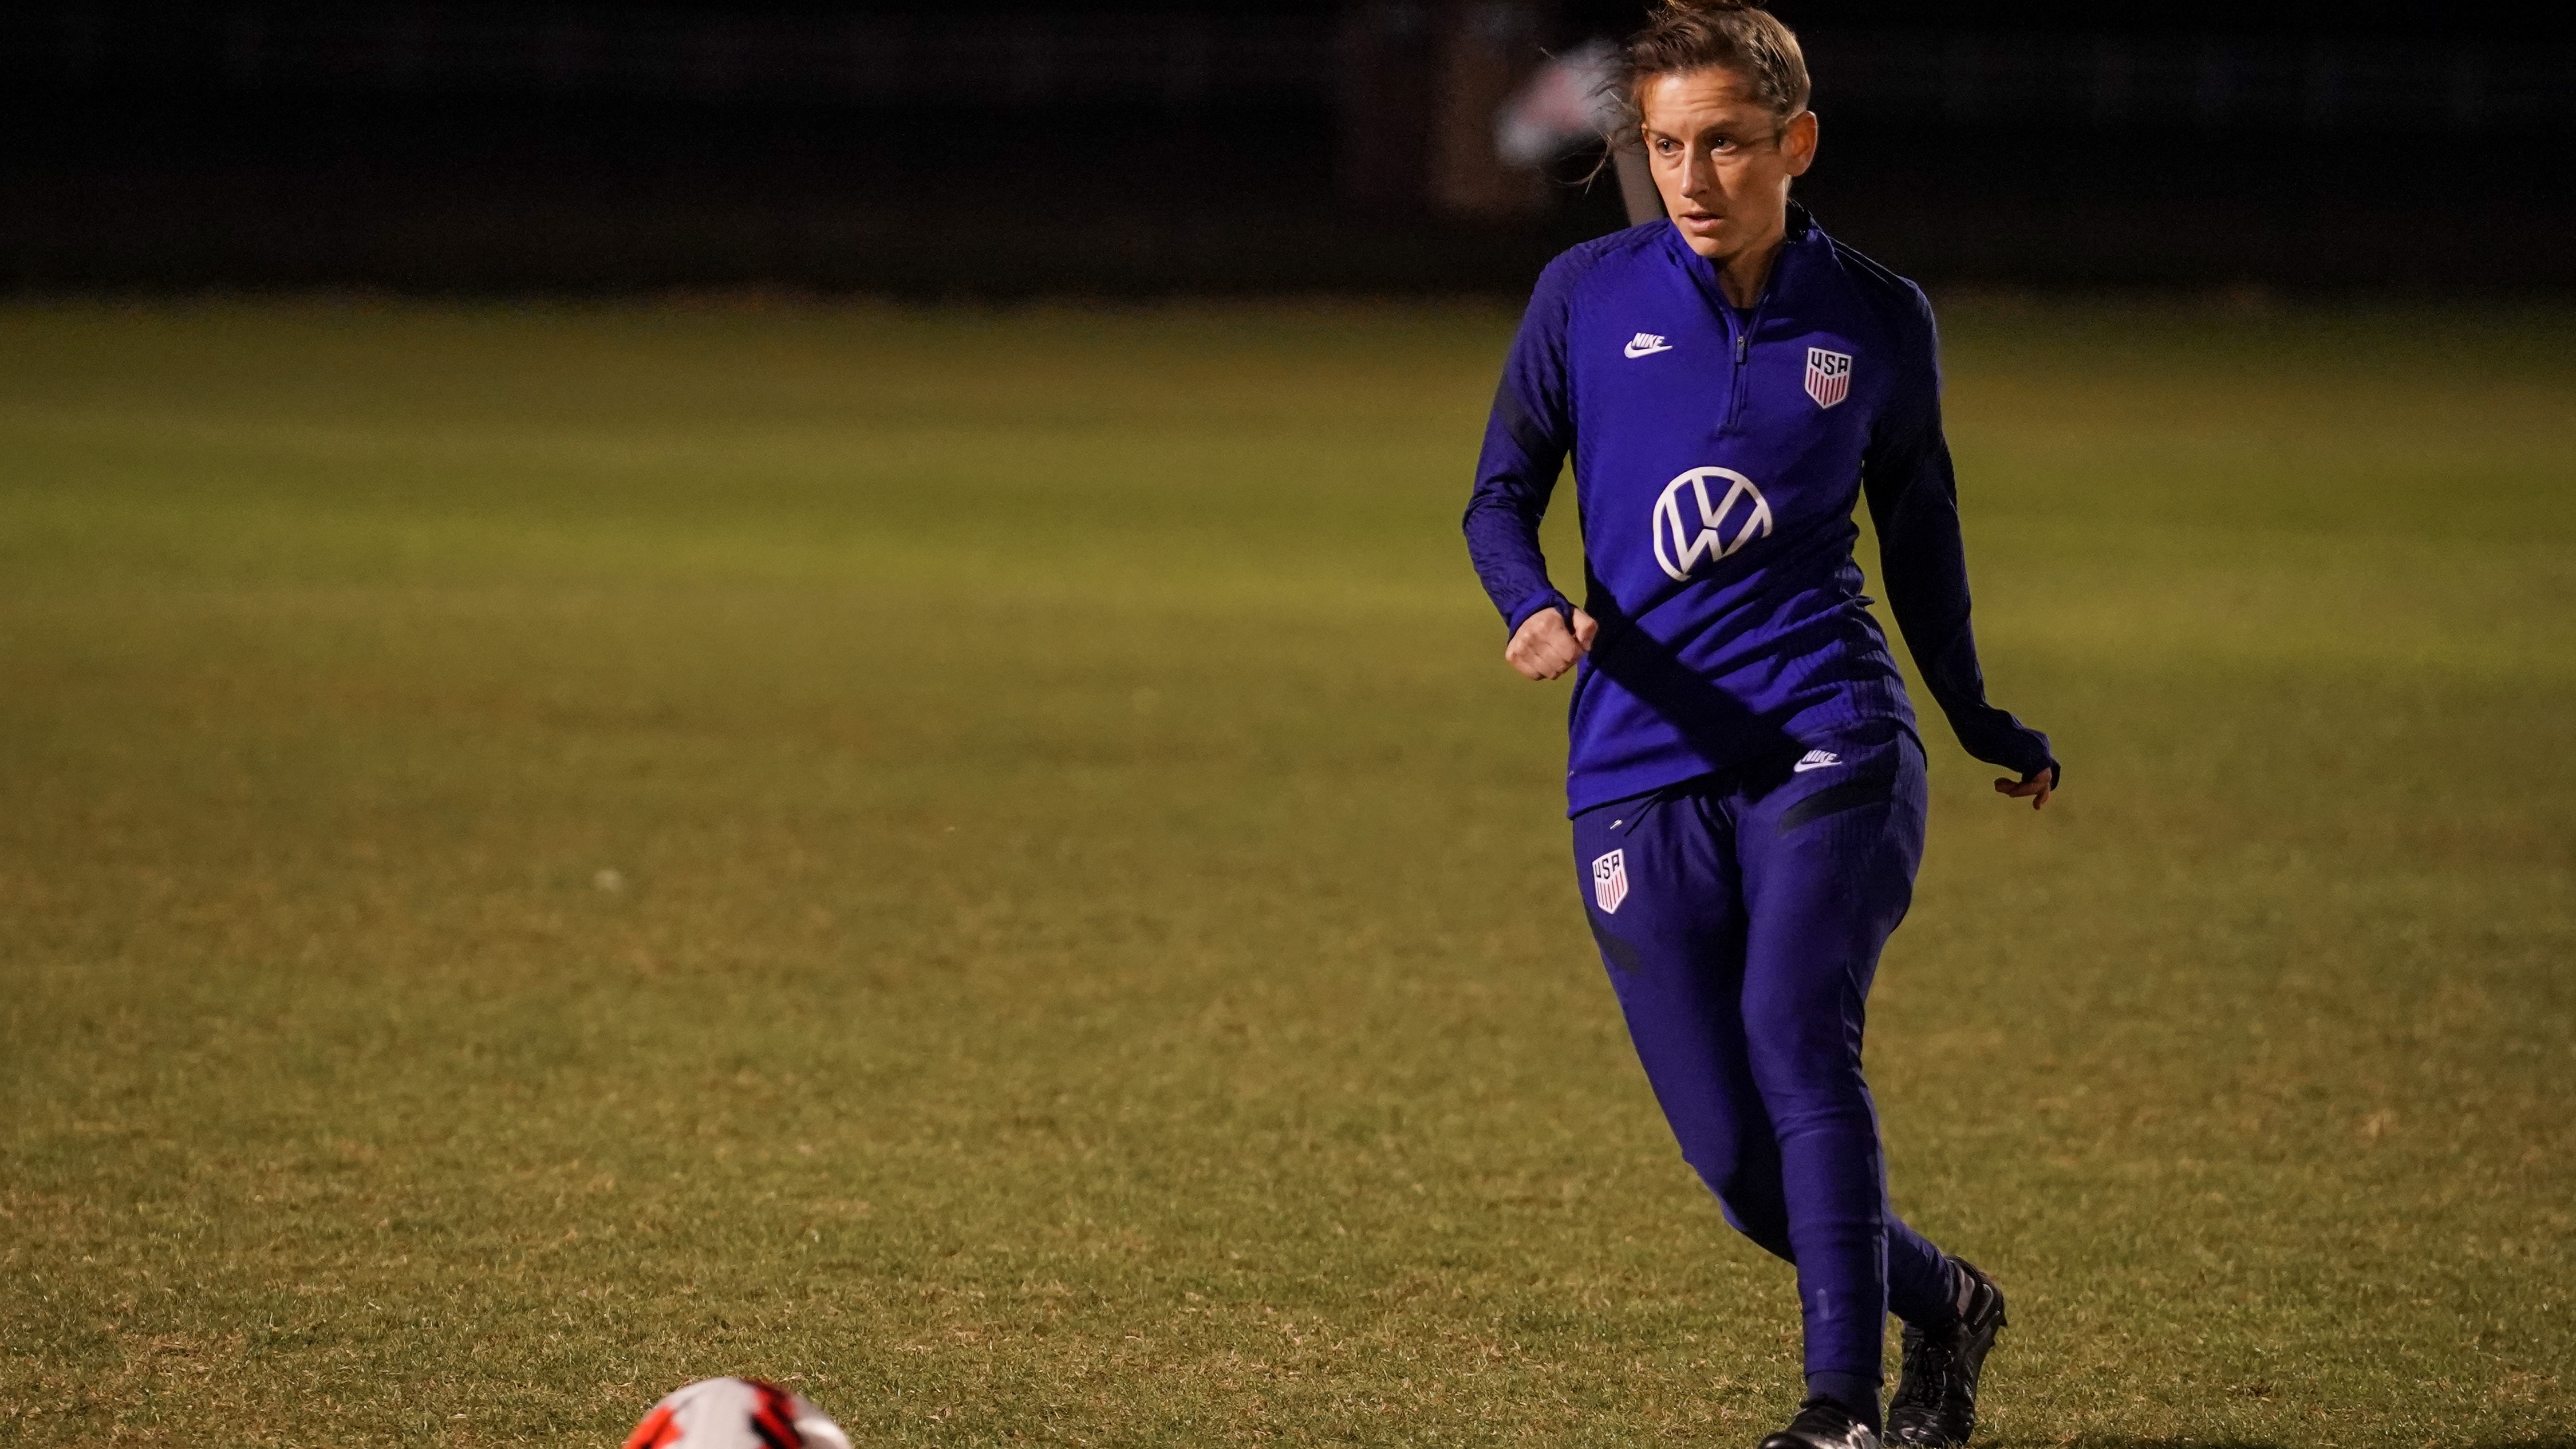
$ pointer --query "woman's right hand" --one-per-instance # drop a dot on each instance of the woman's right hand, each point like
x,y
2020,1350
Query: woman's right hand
x,y
1544,647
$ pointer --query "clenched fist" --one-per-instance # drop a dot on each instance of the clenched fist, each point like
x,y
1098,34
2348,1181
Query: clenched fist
x,y
1544,647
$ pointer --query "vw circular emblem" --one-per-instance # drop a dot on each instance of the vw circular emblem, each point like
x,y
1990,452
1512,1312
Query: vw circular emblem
x,y
1693,523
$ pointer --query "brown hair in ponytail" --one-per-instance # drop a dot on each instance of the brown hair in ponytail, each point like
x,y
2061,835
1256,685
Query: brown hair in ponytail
x,y
1733,35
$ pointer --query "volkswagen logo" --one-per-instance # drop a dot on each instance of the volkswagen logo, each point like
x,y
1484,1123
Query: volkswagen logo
x,y
1693,521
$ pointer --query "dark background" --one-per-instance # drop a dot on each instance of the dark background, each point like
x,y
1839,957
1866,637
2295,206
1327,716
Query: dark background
x,y
948,150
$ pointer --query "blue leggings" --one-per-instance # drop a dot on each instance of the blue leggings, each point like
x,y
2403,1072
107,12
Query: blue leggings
x,y
1741,916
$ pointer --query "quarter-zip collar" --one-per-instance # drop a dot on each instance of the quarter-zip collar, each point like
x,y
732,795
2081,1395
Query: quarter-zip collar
x,y
1703,272
1742,327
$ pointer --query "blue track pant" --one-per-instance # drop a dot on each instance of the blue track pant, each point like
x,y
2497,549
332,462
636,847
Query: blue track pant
x,y
1741,916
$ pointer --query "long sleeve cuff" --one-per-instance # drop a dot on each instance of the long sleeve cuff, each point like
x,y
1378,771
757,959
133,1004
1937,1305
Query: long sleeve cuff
x,y
1998,738
1520,613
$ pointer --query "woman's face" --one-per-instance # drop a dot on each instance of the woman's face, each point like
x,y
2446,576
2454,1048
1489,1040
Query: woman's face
x,y
1722,161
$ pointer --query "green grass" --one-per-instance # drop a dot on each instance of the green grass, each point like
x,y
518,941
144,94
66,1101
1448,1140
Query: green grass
x,y
986,863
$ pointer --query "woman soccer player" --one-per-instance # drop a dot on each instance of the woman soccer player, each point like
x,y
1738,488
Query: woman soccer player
x,y
1745,783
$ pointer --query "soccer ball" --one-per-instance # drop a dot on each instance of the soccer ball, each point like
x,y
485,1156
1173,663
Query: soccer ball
x,y
736,1414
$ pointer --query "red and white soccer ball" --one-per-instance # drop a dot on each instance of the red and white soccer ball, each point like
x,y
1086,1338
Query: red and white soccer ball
x,y
736,1414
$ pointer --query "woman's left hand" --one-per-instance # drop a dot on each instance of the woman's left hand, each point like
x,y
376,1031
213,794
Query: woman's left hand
x,y
2036,789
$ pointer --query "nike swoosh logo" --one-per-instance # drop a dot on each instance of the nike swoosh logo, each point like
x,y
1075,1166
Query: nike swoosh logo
x,y
1634,350
1803,766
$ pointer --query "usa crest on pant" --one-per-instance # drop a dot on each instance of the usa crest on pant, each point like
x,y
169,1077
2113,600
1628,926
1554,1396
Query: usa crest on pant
x,y
1828,376
1610,881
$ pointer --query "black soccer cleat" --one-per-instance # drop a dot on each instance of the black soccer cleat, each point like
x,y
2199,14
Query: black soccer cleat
x,y
1823,1424
1936,1401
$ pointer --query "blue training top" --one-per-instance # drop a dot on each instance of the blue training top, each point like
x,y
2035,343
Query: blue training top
x,y
1718,455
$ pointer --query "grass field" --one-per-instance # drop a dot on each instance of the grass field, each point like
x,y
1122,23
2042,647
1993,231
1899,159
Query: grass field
x,y
987,864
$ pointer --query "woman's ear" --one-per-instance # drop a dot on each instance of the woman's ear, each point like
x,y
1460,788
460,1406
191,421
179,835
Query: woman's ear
x,y
1798,143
